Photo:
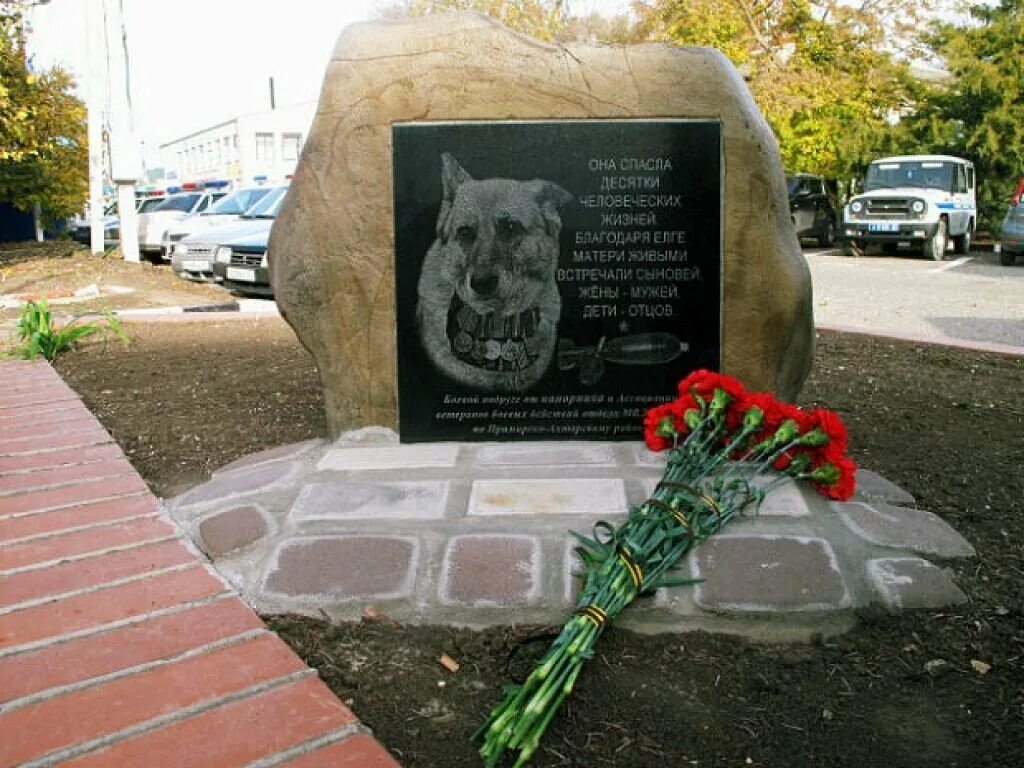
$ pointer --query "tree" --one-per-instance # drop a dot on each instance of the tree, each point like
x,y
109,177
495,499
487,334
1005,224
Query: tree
x,y
824,74
980,113
43,157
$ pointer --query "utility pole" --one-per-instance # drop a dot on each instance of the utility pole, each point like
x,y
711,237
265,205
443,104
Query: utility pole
x,y
95,98
125,158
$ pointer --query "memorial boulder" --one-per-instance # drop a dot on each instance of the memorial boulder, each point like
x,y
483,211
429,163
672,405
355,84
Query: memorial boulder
x,y
488,236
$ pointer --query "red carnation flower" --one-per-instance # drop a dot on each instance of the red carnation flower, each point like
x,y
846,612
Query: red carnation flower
x,y
705,382
843,488
830,423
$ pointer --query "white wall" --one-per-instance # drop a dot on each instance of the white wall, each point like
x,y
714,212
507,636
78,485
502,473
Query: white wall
x,y
203,156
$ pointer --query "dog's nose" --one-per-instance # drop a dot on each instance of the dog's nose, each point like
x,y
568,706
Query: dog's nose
x,y
483,283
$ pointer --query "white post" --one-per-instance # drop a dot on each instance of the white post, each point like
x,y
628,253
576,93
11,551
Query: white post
x,y
37,220
125,159
94,100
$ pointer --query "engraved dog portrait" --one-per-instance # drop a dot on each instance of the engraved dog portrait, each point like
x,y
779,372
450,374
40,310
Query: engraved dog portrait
x,y
488,302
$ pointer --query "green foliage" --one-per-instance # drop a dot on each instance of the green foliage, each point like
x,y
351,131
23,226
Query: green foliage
x,y
43,156
823,74
831,77
38,335
980,113
544,19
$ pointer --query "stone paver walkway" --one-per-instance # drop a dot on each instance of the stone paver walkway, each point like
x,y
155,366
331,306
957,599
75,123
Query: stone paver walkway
x,y
477,534
119,645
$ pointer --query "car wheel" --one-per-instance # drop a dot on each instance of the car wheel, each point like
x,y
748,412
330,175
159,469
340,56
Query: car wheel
x,y
1007,258
935,247
828,238
962,243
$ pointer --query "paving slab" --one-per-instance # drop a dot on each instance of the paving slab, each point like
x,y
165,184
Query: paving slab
x,y
871,486
231,529
903,527
768,573
345,567
572,496
357,500
238,482
355,458
546,455
500,570
912,582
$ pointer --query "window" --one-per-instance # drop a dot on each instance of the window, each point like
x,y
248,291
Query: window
x,y
178,202
961,180
970,178
227,149
922,174
291,143
239,201
265,147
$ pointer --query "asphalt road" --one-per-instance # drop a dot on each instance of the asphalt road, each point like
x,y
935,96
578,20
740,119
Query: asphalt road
x,y
965,299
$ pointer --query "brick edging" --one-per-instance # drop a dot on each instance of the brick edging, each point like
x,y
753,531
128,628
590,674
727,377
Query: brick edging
x,y
119,643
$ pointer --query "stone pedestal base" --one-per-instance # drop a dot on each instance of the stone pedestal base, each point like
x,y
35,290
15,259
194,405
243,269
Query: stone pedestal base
x,y
477,534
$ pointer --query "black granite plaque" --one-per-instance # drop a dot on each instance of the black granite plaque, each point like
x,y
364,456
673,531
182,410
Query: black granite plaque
x,y
553,279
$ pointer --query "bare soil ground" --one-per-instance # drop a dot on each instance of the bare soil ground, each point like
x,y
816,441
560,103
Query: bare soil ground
x,y
931,688
56,269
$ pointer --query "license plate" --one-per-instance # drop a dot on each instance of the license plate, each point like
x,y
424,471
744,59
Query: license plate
x,y
884,227
245,275
192,265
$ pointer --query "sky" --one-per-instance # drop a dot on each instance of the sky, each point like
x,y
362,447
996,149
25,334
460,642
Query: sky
x,y
195,63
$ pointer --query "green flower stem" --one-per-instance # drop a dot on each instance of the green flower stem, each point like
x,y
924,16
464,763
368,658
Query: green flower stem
x,y
657,540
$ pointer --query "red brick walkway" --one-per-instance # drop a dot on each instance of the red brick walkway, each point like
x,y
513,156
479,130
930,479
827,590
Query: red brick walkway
x,y
119,645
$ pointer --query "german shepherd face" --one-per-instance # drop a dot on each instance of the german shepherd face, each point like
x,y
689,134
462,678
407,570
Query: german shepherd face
x,y
488,300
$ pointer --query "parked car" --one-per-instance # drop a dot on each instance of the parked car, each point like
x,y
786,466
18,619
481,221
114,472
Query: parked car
x,y
227,210
241,262
80,227
917,200
1011,236
812,206
172,209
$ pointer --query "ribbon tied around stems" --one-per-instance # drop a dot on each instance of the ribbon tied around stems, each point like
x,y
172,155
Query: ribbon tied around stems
x,y
594,614
698,495
636,573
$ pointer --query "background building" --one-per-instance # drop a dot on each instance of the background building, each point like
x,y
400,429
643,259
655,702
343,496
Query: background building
x,y
258,146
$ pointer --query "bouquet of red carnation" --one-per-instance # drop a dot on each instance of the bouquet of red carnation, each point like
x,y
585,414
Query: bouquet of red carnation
x,y
721,442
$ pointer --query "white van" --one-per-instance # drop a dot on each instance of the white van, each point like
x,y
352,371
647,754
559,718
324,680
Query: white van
x,y
918,200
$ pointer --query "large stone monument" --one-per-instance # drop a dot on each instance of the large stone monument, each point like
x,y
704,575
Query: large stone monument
x,y
571,224
489,238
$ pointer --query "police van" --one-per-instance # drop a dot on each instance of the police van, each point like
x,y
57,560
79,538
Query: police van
x,y
924,201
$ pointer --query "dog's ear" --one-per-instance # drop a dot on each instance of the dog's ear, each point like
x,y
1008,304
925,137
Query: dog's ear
x,y
453,176
550,198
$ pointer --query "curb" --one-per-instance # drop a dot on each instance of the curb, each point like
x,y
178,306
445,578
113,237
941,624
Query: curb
x,y
939,340
240,309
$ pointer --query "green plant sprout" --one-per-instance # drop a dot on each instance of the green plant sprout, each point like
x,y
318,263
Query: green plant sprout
x,y
38,335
